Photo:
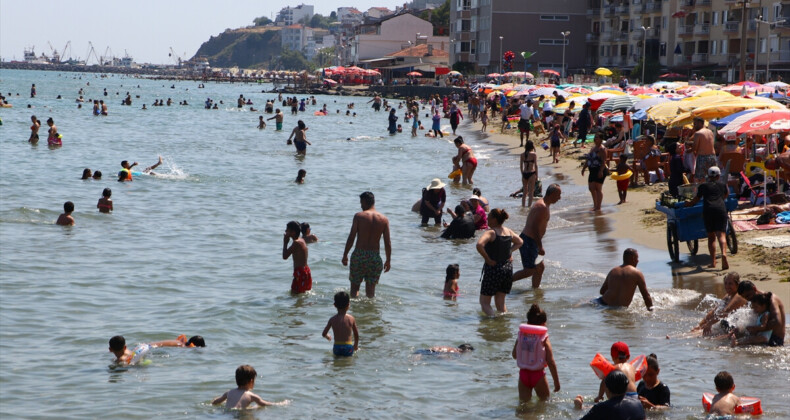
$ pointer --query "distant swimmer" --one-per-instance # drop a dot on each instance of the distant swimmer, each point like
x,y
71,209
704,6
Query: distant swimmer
x,y
65,219
302,280
307,234
444,351
621,282
105,202
532,235
278,119
367,229
181,341
300,176
242,397
126,172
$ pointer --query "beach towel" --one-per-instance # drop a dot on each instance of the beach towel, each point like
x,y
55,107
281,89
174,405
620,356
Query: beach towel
x,y
747,225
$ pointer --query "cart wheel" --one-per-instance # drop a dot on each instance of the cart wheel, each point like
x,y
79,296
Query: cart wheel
x,y
732,240
672,242
693,246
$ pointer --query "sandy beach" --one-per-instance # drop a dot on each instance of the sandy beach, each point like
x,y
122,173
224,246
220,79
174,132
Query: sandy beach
x,y
638,221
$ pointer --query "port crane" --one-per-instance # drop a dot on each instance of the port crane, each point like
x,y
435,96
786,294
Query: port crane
x,y
176,58
106,59
92,51
63,55
55,56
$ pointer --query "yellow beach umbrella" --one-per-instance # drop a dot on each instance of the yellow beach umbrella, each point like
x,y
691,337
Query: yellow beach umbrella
x,y
603,71
722,109
665,112
612,91
705,93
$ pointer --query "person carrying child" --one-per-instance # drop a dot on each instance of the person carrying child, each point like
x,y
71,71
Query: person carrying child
x,y
105,202
343,326
653,393
242,397
451,282
622,185
532,375
303,280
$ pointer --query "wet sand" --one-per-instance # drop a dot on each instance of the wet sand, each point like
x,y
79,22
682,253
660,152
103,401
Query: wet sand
x,y
636,221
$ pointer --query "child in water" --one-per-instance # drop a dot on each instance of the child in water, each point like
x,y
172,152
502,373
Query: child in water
x,y
307,235
760,305
105,202
484,119
300,176
66,219
97,175
620,355
261,123
86,173
725,401
242,397
181,341
303,280
343,325
530,379
622,185
652,392
451,282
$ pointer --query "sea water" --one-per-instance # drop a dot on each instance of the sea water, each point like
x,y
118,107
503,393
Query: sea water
x,y
196,249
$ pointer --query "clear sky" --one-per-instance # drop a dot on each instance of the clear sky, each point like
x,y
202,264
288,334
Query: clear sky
x,y
146,29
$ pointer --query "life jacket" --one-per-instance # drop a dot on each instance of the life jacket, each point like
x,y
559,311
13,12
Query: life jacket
x,y
530,347
126,172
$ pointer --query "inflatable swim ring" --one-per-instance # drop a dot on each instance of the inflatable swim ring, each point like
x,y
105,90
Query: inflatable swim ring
x,y
748,405
138,354
617,177
454,174
137,173
601,366
531,354
319,113
755,167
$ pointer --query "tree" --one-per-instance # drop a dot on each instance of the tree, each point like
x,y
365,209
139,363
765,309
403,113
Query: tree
x,y
439,18
291,60
652,70
261,21
320,21
323,57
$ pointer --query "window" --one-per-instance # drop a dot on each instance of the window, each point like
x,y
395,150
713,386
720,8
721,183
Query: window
x,y
465,46
464,4
483,47
466,25
663,22
603,51
774,43
724,17
715,18
714,45
563,18
724,46
763,44
662,49
548,41
473,25
473,47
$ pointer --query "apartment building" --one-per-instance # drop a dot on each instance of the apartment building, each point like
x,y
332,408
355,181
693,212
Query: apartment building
x,y
293,15
390,34
690,36
295,37
481,30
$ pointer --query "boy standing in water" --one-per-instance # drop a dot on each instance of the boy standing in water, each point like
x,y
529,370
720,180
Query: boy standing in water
x,y
65,219
725,401
242,396
303,280
278,119
343,325
620,356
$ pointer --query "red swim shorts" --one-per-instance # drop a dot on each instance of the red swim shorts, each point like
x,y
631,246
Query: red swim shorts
x,y
622,185
530,378
303,280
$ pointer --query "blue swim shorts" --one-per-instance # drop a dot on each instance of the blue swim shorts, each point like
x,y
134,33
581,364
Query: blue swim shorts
x,y
343,350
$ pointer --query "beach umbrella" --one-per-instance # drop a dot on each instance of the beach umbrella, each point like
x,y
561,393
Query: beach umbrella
x,y
755,123
414,74
723,109
721,122
672,76
643,91
618,103
602,96
647,103
776,85
611,91
704,93
492,75
665,85
780,125
603,71
454,73
330,82
549,71
548,91
578,89
607,87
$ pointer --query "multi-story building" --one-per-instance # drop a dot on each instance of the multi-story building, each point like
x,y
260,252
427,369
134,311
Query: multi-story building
x,y
690,36
389,34
481,30
296,37
294,15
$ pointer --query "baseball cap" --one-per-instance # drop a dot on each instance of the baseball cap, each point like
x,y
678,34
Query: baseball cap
x,y
619,348
714,171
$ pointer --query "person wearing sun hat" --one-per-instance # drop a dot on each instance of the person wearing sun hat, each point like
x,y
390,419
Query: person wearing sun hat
x,y
433,199
714,213
479,213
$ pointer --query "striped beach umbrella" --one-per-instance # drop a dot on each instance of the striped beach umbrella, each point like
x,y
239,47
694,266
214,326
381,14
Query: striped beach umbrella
x,y
619,103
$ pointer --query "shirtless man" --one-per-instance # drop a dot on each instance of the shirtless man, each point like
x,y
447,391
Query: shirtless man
x,y
776,317
278,119
302,281
703,149
367,229
618,288
532,235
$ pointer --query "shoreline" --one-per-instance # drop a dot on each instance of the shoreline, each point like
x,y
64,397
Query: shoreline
x,y
644,226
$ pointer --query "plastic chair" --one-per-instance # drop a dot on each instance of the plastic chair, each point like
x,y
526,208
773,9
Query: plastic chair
x,y
737,161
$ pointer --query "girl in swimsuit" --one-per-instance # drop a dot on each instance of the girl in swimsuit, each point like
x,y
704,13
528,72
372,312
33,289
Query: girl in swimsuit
x,y
34,130
529,172
466,158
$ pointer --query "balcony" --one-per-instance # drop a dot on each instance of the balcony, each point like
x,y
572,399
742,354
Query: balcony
x,y
702,29
593,37
699,58
784,56
784,25
606,36
653,33
593,12
637,8
685,30
620,36
623,10
732,26
704,2
752,26
683,59
653,7
610,10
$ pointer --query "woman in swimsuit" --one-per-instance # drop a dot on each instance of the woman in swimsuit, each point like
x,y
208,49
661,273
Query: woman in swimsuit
x,y
34,130
595,164
466,158
299,137
496,246
53,139
529,172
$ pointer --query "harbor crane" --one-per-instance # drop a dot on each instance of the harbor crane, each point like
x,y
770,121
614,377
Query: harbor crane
x,y
176,58
92,51
55,56
63,55
106,59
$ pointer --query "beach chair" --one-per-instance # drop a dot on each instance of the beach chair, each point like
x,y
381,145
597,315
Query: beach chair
x,y
736,162
654,163
757,197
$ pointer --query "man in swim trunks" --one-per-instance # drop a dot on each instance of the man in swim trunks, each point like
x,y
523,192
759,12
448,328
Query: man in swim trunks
x,y
302,281
532,235
776,318
368,227
278,119
621,282
703,150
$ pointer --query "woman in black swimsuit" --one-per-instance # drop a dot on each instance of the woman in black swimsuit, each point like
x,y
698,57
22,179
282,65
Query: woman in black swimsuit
x,y
529,172
595,163
496,246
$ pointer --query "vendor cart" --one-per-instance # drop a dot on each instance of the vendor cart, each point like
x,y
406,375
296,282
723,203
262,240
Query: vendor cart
x,y
685,224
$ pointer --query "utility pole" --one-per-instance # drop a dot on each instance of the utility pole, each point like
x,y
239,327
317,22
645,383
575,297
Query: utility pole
x,y
742,75
757,21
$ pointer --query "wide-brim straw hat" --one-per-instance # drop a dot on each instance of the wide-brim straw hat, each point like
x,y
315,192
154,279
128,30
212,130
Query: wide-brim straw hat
x,y
436,183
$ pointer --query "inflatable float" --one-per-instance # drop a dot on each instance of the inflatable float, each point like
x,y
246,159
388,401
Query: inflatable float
x,y
455,174
320,113
748,405
430,134
138,354
758,167
531,353
601,366
617,177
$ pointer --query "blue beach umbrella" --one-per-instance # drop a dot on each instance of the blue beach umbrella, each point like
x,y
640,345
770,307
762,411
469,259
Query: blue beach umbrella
x,y
721,122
